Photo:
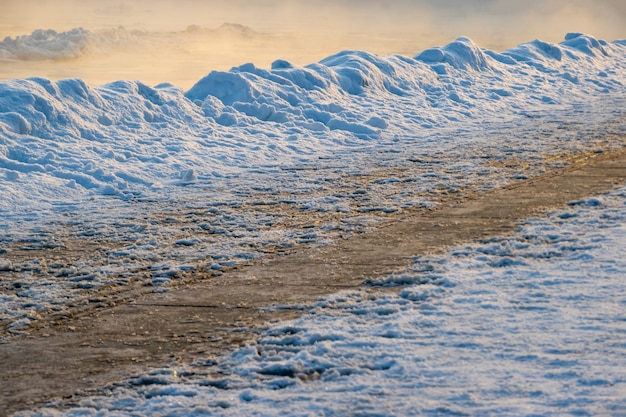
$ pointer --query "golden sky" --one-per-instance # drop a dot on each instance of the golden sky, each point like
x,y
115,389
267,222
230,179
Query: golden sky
x,y
299,31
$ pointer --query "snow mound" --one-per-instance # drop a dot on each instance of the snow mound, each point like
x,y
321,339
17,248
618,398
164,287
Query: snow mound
x,y
67,140
576,47
584,43
80,136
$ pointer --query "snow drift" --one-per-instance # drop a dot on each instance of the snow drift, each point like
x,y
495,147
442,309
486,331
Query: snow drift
x,y
67,140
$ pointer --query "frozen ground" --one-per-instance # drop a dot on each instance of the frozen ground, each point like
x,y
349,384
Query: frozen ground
x,y
528,324
126,186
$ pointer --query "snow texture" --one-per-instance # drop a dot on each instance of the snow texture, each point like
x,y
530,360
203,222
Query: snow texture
x,y
528,324
162,180
66,141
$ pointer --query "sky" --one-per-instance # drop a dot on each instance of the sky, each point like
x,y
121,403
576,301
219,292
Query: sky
x,y
480,19
299,31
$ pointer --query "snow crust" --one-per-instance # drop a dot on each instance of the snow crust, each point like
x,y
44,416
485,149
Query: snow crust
x,y
527,324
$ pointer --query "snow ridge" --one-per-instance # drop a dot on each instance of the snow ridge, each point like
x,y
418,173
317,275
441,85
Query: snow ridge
x,y
67,140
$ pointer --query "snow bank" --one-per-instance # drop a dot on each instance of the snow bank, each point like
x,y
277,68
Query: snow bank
x,y
65,140
79,137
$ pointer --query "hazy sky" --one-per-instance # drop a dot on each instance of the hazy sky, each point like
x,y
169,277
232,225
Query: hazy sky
x,y
300,31
511,20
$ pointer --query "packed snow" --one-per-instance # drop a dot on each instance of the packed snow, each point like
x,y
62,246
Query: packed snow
x,y
528,324
159,181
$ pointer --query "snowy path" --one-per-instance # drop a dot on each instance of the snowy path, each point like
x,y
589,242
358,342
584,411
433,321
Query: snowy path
x,y
101,252
128,336
116,189
127,191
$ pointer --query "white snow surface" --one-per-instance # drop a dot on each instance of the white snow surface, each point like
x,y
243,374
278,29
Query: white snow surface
x,y
165,180
66,142
533,323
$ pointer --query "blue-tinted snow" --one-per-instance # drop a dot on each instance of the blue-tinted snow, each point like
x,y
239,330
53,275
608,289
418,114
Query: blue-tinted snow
x,y
528,324
102,162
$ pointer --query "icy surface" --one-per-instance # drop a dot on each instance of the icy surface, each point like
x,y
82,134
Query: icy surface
x,y
529,324
154,181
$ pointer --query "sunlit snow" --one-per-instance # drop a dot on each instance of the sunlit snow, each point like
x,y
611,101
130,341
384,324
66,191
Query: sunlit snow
x,y
165,180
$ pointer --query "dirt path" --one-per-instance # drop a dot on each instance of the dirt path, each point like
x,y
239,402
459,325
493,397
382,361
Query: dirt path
x,y
84,353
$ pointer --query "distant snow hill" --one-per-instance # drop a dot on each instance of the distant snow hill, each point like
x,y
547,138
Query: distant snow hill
x,y
48,44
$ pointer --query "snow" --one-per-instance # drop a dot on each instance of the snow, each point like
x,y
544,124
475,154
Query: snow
x,y
335,146
157,179
526,324
127,138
